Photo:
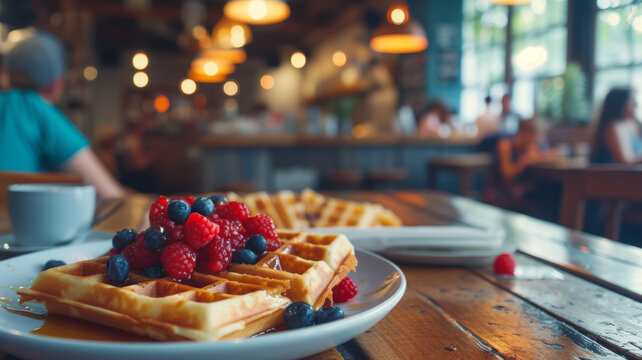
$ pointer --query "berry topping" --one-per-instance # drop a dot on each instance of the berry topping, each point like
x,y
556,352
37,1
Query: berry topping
x,y
176,234
216,256
123,238
344,291
199,231
156,238
52,264
233,232
158,212
504,264
154,272
264,226
203,206
233,210
179,260
139,256
113,252
298,315
325,315
188,199
244,256
257,244
117,268
178,211
218,199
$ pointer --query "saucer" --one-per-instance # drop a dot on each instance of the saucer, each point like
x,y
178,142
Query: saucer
x,y
7,249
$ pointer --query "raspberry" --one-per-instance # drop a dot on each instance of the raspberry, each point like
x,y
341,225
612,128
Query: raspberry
x,y
216,256
139,256
233,232
188,199
504,264
158,212
113,252
198,231
233,210
178,260
176,234
264,226
344,291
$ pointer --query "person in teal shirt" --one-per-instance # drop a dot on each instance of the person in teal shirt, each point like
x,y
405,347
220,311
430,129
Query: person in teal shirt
x,y
34,135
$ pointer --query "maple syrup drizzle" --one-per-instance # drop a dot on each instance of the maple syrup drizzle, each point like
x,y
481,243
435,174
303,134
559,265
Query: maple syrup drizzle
x,y
69,328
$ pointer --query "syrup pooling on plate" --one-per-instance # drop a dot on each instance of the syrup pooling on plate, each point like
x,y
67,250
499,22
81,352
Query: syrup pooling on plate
x,y
391,279
69,328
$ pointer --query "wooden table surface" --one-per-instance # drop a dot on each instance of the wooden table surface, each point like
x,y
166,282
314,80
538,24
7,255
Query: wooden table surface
x,y
594,312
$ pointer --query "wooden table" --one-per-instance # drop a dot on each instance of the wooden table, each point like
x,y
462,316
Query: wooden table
x,y
465,166
594,312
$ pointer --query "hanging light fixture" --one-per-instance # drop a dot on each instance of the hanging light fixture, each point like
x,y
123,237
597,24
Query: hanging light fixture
x,y
203,78
258,12
511,2
212,67
399,34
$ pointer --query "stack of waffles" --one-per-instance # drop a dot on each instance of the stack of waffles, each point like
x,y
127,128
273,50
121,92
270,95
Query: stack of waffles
x,y
311,209
240,302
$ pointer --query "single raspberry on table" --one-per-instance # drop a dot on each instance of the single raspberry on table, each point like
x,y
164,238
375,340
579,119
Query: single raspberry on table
x,y
178,260
188,199
139,256
215,256
504,264
158,212
264,226
233,232
233,210
199,230
344,291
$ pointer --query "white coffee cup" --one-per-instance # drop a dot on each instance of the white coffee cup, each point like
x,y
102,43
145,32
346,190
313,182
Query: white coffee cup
x,y
50,214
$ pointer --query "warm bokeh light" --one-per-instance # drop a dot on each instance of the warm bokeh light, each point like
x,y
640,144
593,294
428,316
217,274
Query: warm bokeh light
x,y
234,56
258,12
350,76
188,86
238,36
200,100
613,19
230,104
231,88
199,32
267,82
161,103
339,58
398,43
229,34
140,61
531,57
298,59
90,73
398,16
210,68
140,79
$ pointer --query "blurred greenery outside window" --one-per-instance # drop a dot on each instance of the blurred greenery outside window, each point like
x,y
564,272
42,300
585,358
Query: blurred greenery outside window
x,y
618,48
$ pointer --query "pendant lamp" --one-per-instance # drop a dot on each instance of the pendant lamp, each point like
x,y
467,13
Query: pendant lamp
x,y
203,78
511,2
399,34
257,12
212,67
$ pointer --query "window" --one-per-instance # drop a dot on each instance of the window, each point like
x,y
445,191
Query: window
x,y
483,55
618,47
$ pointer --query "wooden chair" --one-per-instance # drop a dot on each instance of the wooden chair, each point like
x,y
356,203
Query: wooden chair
x,y
10,178
610,183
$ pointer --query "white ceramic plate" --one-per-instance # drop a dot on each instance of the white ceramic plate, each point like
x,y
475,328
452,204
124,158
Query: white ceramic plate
x,y
8,248
381,285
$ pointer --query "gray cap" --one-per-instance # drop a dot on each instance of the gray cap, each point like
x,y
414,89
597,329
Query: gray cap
x,y
41,58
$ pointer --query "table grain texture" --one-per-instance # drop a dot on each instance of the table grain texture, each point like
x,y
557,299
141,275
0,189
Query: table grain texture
x,y
594,312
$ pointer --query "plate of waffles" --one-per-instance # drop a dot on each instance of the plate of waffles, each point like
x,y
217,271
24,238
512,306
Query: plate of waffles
x,y
26,332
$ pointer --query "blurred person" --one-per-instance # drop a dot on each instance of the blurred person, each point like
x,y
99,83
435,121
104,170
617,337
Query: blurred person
x,y
434,119
617,134
38,136
488,122
509,123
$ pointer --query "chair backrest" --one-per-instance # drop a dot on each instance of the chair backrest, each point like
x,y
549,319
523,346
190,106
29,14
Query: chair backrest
x,y
9,178
607,182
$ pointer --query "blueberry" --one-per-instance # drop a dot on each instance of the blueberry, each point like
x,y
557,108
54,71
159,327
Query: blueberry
x,y
298,315
154,272
328,314
203,206
178,211
218,199
156,238
123,238
244,256
117,268
52,264
257,244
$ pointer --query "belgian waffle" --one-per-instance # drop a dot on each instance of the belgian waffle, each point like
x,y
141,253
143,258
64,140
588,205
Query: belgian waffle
x,y
246,300
311,209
